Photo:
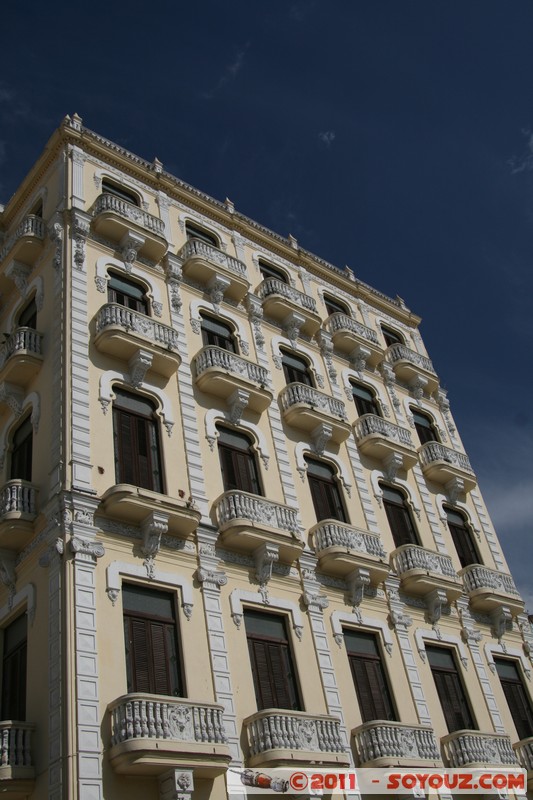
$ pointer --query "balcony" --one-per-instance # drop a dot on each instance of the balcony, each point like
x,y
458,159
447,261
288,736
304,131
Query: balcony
x,y
152,733
305,408
441,464
524,753
475,749
18,511
221,373
26,242
21,356
341,549
17,774
205,264
115,218
380,439
246,521
409,365
489,589
280,301
353,338
133,504
380,743
121,332
422,571
282,738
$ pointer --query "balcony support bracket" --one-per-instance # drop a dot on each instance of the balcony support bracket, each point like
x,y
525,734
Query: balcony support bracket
x,y
454,489
502,621
435,600
152,528
358,357
237,402
7,570
355,584
291,325
139,365
176,784
321,436
130,244
264,558
218,286
392,464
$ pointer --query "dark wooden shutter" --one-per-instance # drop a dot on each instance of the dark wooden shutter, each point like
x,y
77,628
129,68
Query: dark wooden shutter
x,y
140,656
275,681
371,687
516,696
326,500
463,543
401,525
450,690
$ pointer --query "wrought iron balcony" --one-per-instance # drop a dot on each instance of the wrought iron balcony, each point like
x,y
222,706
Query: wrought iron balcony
x,y
489,589
152,733
222,373
342,548
17,773
409,365
21,356
475,749
279,737
441,464
524,753
304,407
380,743
121,332
214,269
115,218
422,571
246,521
133,504
26,242
18,510
353,338
383,440
284,304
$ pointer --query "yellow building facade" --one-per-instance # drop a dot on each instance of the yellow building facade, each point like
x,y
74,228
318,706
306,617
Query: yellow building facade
x,y
238,527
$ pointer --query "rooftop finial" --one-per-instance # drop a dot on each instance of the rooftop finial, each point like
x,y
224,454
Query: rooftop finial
x,y
157,166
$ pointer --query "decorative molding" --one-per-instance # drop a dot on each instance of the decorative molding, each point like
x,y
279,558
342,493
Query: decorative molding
x,y
139,364
19,273
117,569
130,244
356,582
338,618
264,557
152,529
239,596
81,226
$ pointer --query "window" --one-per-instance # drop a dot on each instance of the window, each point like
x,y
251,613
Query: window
x,y
295,369
238,462
516,696
365,400
14,663
150,634
335,306
193,231
215,332
391,337
399,516
136,441
462,538
424,427
269,271
126,293
28,316
108,187
450,689
327,499
371,686
21,454
275,681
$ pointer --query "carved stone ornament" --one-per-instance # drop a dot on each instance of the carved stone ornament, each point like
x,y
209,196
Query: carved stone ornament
x,y
355,584
81,224
325,343
315,601
101,283
19,274
158,308
175,297
210,578
130,244
320,436
53,551
399,619
502,621
83,547
11,396
359,357
218,286
435,601
417,386
152,529
454,489
392,464
237,402
113,595
7,571
264,558
292,325
55,232
139,364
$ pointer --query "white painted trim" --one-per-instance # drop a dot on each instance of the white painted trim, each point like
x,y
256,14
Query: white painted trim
x,y
302,448
106,395
214,415
437,637
349,375
197,305
117,569
118,178
339,617
377,475
101,274
278,342
497,649
238,596
24,596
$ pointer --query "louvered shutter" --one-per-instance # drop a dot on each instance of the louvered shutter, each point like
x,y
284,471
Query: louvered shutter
x,y
400,524
140,655
464,545
372,690
160,659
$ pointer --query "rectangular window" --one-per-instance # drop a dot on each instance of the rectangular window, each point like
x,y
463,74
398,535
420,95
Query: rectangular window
x,y
21,455
217,333
137,453
453,699
14,667
516,696
126,293
275,681
237,462
364,400
327,500
269,271
371,686
295,369
424,427
150,634
462,539
399,517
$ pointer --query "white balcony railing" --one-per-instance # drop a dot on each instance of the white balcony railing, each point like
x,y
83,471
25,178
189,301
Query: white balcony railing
x,y
222,359
524,753
113,314
463,748
31,226
476,576
285,730
337,322
432,452
412,557
22,339
296,393
370,424
18,496
392,740
272,286
337,534
236,505
196,248
106,203
399,352
15,744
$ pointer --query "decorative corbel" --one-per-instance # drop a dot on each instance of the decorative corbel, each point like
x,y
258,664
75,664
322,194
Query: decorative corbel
x,y
152,528
139,364
320,437
11,396
435,600
502,621
81,225
176,784
454,489
314,601
217,287
264,557
237,402
325,343
255,313
358,358
130,244
417,386
292,325
19,274
355,584
7,571
392,464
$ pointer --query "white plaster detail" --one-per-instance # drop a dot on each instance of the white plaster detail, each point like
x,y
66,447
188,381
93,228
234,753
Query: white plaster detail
x,y
117,569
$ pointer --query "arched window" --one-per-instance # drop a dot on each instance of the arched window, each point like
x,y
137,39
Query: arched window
x,y
365,400
217,333
193,231
28,316
136,441
425,427
127,293
21,452
296,369
325,491
334,306
115,189
270,271
391,337
238,462
462,538
399,517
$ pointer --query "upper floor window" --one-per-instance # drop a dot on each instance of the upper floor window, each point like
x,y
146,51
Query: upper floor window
x,y
126,292
14,667
238,462
269,271
193,231
153,661
28,316
275,680
108,187
296,369
335,306
399,517
217,333
365,400
371,685
462,538
136,441
22,451
425,427
452,696
325,491
391,337
516,696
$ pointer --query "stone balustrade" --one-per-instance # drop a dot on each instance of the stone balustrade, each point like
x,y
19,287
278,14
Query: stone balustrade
x,y
399,352
331,533
296,393
113,314
272,729
477,576
524,753
15,744
432,452
381,741
31,226
337,322
106,203
271,286
18,496
236,505
370,424
412,557
212,356
196,248
467,748
22,339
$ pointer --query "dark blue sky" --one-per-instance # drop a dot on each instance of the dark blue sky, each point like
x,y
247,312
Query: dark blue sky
x,y
395,136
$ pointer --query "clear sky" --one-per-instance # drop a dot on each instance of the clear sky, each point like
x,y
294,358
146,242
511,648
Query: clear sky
x,y
395,136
